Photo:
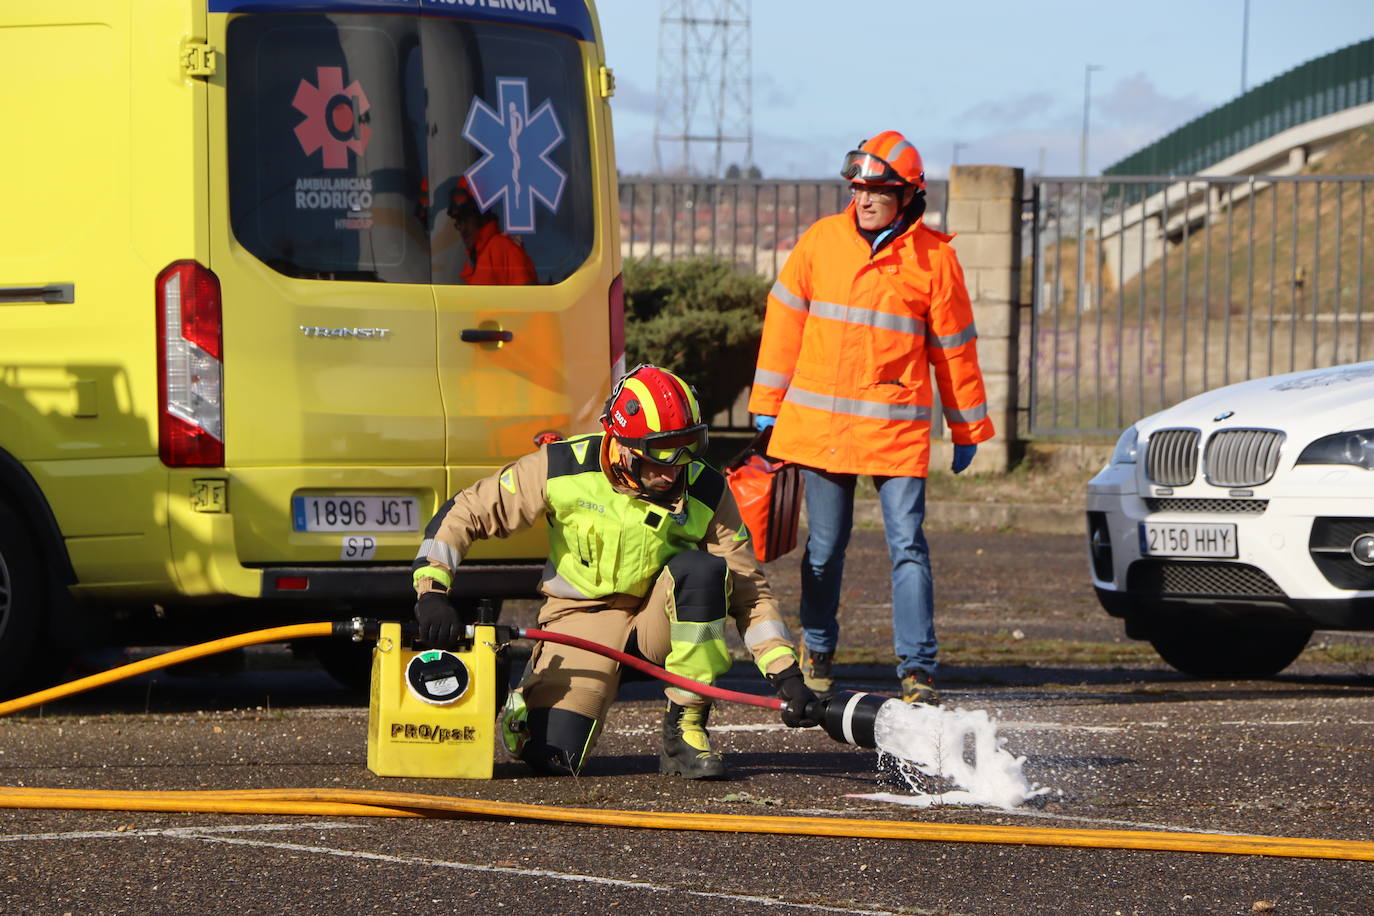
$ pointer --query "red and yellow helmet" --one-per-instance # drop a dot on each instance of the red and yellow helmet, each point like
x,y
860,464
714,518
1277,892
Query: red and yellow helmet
x,y
655,415
887,159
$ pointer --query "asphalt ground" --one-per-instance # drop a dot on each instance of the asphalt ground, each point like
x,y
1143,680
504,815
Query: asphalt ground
x,y
1122,745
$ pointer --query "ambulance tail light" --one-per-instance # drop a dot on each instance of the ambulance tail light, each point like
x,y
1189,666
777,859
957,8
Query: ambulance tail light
x,y
190,367
617,312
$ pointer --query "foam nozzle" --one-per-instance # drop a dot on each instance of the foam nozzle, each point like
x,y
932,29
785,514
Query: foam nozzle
x,y
848,716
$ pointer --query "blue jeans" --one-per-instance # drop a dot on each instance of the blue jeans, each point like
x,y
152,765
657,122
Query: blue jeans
x,y
830,516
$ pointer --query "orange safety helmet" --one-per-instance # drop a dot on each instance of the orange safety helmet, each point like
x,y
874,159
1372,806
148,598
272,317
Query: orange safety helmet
x,y
887,159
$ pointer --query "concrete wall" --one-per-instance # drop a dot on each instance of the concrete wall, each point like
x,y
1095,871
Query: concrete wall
x,y
984,212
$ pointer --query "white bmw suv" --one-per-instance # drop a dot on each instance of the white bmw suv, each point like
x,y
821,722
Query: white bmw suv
x,y
1228,527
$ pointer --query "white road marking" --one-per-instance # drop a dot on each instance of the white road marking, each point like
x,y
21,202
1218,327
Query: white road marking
x,y
712,727
223,834
207,836
1056,727
174,831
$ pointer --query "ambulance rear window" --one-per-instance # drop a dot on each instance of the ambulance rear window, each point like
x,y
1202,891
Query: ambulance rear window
x,y
406,150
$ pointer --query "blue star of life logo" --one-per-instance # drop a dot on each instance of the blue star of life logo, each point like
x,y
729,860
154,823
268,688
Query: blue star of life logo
x,y
515,167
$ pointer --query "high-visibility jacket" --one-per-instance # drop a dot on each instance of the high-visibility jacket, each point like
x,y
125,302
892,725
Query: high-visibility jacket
x,y
607,546
849,342
495,259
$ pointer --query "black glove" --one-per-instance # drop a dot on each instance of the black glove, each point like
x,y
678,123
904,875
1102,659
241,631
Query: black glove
x,y
440,625
796,697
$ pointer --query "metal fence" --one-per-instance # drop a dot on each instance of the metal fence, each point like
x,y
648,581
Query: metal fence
x,y
1146,290
751,223
1326,85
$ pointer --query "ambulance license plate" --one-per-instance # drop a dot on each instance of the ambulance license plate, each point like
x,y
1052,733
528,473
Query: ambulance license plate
x,y
350,512
1187,539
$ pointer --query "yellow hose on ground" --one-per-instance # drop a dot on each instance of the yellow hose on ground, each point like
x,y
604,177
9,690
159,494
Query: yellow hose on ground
x,y
348,802
176,656
357,803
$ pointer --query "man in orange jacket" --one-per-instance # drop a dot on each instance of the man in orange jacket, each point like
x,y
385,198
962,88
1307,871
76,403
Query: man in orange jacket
x,y
494,259
867,305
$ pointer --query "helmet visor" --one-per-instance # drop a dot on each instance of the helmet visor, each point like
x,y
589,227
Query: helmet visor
x,y
678,446
866,168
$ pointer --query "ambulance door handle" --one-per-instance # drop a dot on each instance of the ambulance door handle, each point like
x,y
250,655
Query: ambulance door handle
x,y
52,292
486,335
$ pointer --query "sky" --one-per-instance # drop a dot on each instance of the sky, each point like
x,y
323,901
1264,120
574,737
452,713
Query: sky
x,y
976,81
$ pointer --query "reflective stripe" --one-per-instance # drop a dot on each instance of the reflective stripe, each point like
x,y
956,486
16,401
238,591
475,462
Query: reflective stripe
x,y
971,415
432,572
775,653
875,409
765,630
698,650
788,298
433,550
869,318
772,379
688,633
556,586
901,146
953,340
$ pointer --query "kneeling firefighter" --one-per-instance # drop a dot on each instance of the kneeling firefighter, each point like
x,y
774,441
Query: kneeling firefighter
x,y
647,553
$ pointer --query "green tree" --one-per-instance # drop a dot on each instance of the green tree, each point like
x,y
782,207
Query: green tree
x,y
699,318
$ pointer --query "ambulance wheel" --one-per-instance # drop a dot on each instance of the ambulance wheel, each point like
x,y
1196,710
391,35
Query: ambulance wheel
x,y
21,599
348,662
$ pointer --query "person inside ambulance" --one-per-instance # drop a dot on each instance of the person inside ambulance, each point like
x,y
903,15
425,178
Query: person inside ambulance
x,y
647,555
494,258
868,304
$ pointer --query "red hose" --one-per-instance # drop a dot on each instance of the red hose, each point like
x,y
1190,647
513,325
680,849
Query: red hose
x,y
677,680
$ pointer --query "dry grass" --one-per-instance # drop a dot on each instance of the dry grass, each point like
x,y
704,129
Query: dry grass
x,y
1048,474
1277,281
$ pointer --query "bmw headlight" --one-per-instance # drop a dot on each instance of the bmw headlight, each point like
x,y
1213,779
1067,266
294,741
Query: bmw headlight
x,y
1125,451
1352,447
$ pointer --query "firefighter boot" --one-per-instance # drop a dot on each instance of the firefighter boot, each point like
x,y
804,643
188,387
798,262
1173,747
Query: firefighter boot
x,y
686,746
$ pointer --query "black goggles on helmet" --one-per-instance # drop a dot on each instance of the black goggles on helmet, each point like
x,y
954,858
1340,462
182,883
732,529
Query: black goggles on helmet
x,y
677,446
866,168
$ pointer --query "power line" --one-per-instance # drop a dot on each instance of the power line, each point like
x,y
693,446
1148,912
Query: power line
x,y
705,86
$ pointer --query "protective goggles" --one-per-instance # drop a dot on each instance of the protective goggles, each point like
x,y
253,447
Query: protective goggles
x,y
867,168
678,446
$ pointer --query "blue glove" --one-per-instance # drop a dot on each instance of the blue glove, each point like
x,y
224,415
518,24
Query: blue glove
x,y
963,455
762,422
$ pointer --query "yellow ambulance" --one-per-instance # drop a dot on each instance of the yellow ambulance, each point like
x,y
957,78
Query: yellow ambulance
x,y
255,326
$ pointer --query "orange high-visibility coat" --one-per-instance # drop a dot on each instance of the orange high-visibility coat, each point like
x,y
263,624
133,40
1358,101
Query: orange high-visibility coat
x,y
499,260
849,342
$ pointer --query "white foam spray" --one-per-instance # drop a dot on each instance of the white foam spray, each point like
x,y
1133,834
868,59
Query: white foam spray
x,y
949,756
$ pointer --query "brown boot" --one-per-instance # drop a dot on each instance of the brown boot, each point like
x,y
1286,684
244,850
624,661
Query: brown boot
x,y
918,688
686,746
816,672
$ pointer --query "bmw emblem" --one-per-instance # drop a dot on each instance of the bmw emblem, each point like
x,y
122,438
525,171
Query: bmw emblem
x,y
1224,415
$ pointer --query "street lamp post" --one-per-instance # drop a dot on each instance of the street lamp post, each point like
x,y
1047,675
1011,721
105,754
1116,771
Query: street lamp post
x,y
1087,93
1244,44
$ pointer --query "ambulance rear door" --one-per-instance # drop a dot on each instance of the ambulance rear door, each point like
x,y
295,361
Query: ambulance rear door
x,y
515,113
334,423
